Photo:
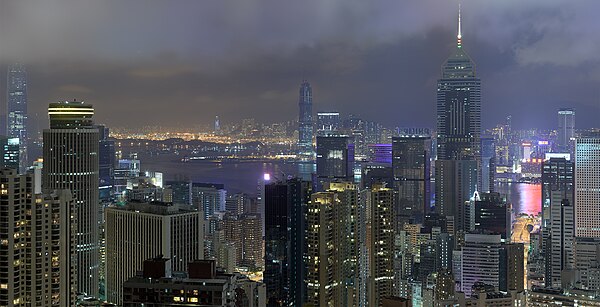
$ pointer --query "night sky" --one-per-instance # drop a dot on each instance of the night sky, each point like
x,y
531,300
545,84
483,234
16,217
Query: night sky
x,y
180,63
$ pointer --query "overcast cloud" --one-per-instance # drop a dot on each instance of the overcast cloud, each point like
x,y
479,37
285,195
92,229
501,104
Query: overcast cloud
x,y
181,62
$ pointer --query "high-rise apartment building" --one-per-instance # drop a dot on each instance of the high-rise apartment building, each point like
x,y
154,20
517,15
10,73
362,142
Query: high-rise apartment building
x,y
305,122
285,247
37,235
380,237
587,194
324,255
71,162
566,129
140,231
332,253
245,232
412,177
16,110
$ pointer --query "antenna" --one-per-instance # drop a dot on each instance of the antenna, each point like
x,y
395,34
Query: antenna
x,y
459,36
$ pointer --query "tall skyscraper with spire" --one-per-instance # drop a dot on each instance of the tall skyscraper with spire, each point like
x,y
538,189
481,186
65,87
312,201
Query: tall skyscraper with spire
x,y
16,110
459,106
305,122
458,168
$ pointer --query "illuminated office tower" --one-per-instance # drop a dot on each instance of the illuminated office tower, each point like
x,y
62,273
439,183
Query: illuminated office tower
x,y
38,266
328,123
209,197
71,162
334,160
140,231
512,267
411,168
9,152
480,261
558,195
16,110
285,246
566,129
127,169
488,164
380,205
332,252
493,214
456,182
217,130
305,122
106,163
458,106
587,194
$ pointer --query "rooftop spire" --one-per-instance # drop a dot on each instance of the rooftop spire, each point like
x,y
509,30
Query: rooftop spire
x,y
459,36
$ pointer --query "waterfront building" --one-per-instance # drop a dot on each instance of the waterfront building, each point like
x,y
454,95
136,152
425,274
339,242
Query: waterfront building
x,y
16,110
305,122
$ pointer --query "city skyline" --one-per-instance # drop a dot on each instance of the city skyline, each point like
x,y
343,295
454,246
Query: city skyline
x,y
391,59
187,174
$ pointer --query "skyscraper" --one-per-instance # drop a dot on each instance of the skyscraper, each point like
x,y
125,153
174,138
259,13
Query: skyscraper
x,y
285,233
587,194
141,231
324,256
493,214
106,162
333,159
559,242
9,152
71,162
380,232
566,129
411,168
332,253
488,165
512,267
16,110
305,122
455,184
558,195
328,122
480,261
458,106
37,266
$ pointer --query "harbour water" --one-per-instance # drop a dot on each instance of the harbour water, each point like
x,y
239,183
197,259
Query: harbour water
x,y
244,176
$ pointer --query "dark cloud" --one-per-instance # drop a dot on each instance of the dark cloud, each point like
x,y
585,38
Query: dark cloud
x,y
180,63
